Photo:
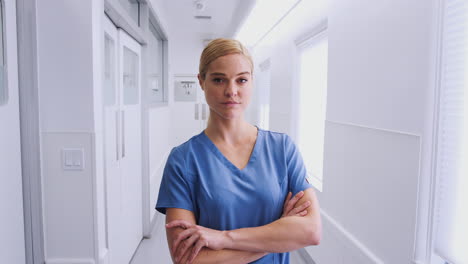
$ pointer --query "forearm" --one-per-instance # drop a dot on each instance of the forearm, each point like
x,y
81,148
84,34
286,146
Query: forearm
x,y
295,230
226,256
283,235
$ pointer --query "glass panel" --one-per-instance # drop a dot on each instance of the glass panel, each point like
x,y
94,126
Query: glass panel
x,y
109,72
3,82
130,77
155,67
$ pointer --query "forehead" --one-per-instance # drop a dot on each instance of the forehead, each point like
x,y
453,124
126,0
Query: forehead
x,y
230,64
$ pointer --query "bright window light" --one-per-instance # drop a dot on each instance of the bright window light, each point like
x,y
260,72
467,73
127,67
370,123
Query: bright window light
x,y
312,105
451,215
262,19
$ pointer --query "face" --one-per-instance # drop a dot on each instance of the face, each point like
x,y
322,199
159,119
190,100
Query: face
x,y
228,85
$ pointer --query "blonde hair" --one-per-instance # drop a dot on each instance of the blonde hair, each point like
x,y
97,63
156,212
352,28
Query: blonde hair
x,y
220,47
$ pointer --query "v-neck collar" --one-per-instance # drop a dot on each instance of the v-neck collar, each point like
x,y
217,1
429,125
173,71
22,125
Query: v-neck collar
x,y
226,161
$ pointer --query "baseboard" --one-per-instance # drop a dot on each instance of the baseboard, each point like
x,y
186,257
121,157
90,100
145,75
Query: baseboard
x,y
69,261
351,240
305,257
156,220
154,181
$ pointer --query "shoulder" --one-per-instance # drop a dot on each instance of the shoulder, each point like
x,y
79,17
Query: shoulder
x,y
181,154
275,138
279,143
186,148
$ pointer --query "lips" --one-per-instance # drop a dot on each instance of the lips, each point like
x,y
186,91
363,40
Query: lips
x,y
230,103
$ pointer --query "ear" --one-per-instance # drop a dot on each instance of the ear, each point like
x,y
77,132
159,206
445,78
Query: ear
x,y
200,81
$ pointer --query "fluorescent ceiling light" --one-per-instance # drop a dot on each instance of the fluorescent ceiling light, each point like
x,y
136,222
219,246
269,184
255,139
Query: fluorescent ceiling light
x,y
265,15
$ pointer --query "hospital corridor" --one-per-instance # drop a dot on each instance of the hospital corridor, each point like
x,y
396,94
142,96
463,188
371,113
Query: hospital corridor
x,y
233,131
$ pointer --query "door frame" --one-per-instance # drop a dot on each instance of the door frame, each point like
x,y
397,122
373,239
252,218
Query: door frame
x,y
30,130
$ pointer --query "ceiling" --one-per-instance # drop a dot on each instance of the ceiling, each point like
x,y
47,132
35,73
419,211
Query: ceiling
x,y
226,17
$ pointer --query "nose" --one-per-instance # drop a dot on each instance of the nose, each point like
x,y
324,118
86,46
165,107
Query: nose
x,y
231,89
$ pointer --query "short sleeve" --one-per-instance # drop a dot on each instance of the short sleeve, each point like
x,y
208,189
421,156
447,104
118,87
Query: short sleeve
x,y
175,189
297,172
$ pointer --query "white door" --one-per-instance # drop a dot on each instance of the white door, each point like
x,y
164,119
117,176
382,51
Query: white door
x,y
122,130
130,119
112,143
11,195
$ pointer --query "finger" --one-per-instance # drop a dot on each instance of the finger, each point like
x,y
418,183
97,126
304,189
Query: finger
x,y
187,244
296,197
303,213
184,259
300,208
179,223
290,205
196,249
293,202
181,237
287,200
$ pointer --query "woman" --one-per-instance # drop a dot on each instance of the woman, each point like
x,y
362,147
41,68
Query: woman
x,y
227,192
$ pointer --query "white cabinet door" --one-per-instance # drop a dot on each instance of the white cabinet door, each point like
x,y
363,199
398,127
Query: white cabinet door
x,y
122,130
11,194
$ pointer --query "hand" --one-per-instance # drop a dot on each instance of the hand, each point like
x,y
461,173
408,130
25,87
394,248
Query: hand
x,y
289,208
193,239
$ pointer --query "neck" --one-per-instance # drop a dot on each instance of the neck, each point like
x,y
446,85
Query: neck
x,y
230,131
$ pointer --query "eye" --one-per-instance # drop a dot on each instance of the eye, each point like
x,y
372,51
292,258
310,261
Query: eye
x,y
217,80
242,80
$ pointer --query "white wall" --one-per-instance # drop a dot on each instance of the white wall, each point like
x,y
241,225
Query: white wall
x,y
160,121
65,58
378,128
69,70
185,48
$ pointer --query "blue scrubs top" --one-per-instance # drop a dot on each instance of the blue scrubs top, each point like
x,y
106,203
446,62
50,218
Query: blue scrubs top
x,y
198,178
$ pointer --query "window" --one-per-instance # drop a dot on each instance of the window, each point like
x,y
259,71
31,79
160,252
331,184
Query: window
x,y
3,81
156,63
312,97
451,215
109,89
130,77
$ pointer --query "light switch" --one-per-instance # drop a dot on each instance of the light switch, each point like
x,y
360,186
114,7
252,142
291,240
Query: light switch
x,y
72,159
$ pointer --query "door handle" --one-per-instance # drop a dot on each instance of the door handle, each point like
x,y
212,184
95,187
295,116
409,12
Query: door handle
x,y
197,114
123,133
117,134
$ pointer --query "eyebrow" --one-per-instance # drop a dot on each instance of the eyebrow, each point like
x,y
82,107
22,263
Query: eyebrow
x,y
222,74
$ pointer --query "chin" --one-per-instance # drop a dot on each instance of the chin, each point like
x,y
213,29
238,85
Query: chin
x,y
232,116
229,115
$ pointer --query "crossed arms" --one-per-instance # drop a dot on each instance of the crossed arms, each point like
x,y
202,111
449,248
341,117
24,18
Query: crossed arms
x,y
299,226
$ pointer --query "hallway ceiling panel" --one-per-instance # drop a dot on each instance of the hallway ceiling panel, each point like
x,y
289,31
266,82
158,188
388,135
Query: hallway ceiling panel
x,y
218,18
